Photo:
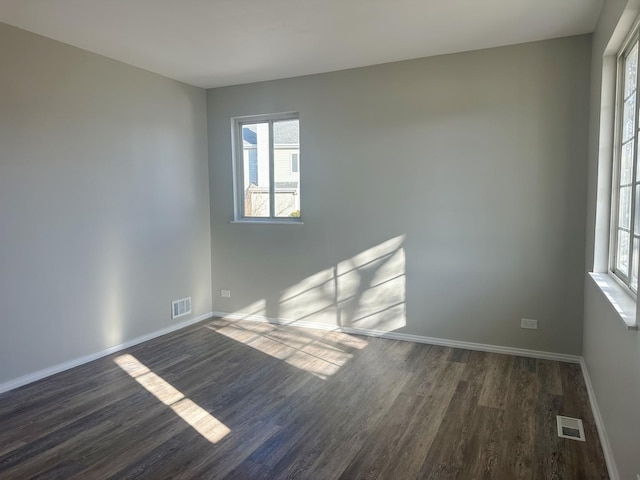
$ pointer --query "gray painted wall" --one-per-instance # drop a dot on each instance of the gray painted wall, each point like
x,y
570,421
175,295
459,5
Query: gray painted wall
x,y
611,353
441,197
104,202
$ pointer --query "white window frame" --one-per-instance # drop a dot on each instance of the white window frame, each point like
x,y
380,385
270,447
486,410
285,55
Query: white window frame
x,y
238,167
623,279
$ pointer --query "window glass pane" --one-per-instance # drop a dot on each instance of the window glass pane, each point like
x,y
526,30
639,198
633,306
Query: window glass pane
x,y
622,253
255,168
631,71
286,147
627,118
624,211
634,268
626,164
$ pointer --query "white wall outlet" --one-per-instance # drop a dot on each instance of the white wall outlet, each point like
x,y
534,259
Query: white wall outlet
x,y
225,293
529,323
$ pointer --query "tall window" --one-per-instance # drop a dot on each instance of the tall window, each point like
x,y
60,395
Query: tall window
x,y
267,184
626,188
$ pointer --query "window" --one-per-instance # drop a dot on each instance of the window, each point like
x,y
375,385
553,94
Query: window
x,y
267,167
625,213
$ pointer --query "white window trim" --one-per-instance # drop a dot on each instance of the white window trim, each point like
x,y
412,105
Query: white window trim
x,y
618,295
623,304
237,156
266,221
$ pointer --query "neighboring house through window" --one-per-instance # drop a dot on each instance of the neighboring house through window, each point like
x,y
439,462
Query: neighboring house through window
x,y
250,142
267,167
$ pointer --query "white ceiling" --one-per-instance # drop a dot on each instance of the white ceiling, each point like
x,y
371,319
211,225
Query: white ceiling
x,y
212,43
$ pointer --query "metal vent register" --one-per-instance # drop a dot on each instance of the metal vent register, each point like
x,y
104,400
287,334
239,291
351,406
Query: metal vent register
x,y
181,307
570,428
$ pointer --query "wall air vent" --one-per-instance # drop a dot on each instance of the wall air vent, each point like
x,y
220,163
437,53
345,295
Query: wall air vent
x,y
180,308
570,428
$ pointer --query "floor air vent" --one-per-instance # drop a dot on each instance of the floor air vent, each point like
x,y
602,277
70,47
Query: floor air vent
x,y
180,308
570,428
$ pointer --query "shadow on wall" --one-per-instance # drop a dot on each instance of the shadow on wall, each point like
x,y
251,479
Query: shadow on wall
x,y
366,291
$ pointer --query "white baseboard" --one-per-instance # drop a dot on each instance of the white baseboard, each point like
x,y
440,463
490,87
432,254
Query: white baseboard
x,y
61,367
602,432
522,352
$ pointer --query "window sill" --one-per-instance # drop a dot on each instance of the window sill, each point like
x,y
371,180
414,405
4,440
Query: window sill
x,y
268,222
623,303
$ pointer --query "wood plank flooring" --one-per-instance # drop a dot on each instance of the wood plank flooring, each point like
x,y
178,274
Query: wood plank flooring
x,y
244,400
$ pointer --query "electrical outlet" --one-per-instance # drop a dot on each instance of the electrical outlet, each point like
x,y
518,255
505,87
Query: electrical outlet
x,y
225,293
529,323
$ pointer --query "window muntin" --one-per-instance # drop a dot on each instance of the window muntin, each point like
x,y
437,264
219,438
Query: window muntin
x,y
267,186
625,239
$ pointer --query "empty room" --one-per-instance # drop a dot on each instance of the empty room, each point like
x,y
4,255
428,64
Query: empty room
x,y
319,239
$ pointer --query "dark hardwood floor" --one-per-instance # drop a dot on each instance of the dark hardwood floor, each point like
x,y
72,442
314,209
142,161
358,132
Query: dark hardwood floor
x,y
247,400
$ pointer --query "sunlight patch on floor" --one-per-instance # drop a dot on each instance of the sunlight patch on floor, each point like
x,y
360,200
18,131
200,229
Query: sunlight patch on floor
x,y
319,353
195,416
366,291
